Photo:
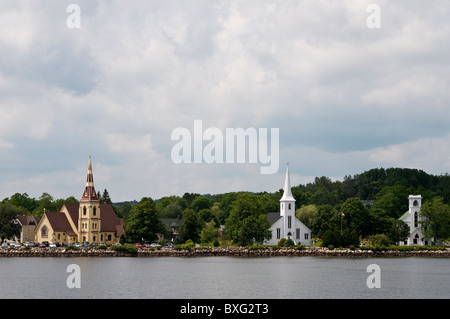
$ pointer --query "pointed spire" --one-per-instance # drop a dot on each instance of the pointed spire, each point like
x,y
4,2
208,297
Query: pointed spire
x,y
287,194
89,193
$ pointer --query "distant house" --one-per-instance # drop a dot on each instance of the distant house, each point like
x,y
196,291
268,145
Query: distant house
x,y
413,219
172,228
28,226
284,224
86,221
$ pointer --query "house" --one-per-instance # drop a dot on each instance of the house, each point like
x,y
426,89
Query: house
x,y
27,227
413,219
172,228
87,221
284,224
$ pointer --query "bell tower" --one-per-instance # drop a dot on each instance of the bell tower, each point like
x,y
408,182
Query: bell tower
x,y
287,208
89,211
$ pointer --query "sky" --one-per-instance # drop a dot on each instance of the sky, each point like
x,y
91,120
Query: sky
x,y
349,86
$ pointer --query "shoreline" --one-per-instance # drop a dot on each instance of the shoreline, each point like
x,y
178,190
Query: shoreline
x,y
224,252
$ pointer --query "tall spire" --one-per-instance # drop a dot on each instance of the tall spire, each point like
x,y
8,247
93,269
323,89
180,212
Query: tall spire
x,y
89,193
287,194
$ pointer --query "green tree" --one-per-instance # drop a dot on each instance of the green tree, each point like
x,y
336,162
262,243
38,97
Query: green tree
x,y
246,224
306,214
200,202
209,233
8,229
437,221
23,202
398,231
46,203
191,227
356,216
143,223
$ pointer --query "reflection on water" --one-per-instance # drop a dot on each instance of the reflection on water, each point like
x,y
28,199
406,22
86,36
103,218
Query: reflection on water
x,y
224,277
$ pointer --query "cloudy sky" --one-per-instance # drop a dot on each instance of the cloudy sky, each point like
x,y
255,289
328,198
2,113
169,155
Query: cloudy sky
x,y
345,97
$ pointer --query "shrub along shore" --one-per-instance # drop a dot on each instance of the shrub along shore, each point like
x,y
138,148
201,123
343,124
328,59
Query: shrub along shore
x,y
253,251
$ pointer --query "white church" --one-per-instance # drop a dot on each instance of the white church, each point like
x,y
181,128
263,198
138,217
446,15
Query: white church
x,y
413,219
284,223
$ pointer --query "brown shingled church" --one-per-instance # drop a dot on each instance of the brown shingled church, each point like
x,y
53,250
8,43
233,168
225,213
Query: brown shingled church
x,y
87,221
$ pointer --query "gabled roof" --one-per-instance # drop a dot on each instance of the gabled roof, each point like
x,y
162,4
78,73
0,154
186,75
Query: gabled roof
x,y
59,222
28,220
273,217
109,219
404,215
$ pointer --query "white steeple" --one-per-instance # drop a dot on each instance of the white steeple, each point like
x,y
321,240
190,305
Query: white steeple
x,y
287,194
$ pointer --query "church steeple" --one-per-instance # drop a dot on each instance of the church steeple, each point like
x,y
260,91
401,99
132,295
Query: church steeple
x,y
89,193
287,194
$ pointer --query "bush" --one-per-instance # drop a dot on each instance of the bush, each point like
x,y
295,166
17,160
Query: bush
x,y
330,247
130,249
380,240
282,242
71,247
289,243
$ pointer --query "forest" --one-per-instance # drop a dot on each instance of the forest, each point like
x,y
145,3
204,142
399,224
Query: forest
x,y
371,203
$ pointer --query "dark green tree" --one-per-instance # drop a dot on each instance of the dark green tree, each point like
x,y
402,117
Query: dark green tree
x,y
398,231
437,219
246,224
191,227
356,216
8,229
143,223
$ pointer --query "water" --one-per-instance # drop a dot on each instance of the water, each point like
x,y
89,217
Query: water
x,y
225,277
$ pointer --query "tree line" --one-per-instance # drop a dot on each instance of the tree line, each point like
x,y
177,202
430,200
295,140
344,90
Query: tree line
x,y
359,206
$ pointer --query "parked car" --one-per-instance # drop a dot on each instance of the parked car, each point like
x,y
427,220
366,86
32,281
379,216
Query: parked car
x,y
13,244
42,245
155,245
29,244
137,245
5,245
170,245
53,245
46,243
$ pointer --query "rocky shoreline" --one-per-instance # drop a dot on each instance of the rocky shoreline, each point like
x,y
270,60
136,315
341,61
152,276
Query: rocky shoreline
x,y
222,251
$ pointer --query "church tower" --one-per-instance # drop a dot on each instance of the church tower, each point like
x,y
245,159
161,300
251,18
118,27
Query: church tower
x,y
287,207
89,211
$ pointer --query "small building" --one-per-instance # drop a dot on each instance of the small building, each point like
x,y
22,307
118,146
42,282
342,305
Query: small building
x,y
284,224
172,228
28,226
414,220
87,221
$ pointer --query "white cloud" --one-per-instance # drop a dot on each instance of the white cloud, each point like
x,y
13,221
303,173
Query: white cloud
x,y
345,97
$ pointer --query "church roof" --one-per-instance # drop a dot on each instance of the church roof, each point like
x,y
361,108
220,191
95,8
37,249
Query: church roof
x,y
273,217
59,222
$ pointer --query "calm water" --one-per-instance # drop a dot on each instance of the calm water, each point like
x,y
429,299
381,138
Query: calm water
x,y
224,277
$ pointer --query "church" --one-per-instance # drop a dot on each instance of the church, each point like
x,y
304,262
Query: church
x,y
86,221
414,220
284,224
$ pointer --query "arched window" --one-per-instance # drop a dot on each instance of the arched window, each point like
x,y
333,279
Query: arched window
x,y
44,231
416,219
415,203
95,210
84,210
109,237
289,207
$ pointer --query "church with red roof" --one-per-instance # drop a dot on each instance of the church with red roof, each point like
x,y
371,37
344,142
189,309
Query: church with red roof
x,y
86,221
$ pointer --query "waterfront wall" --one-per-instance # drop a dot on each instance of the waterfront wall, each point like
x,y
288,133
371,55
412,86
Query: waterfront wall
x,y
228,251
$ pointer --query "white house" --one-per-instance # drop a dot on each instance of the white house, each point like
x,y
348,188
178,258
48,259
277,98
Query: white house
x,y
284,223
413,219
